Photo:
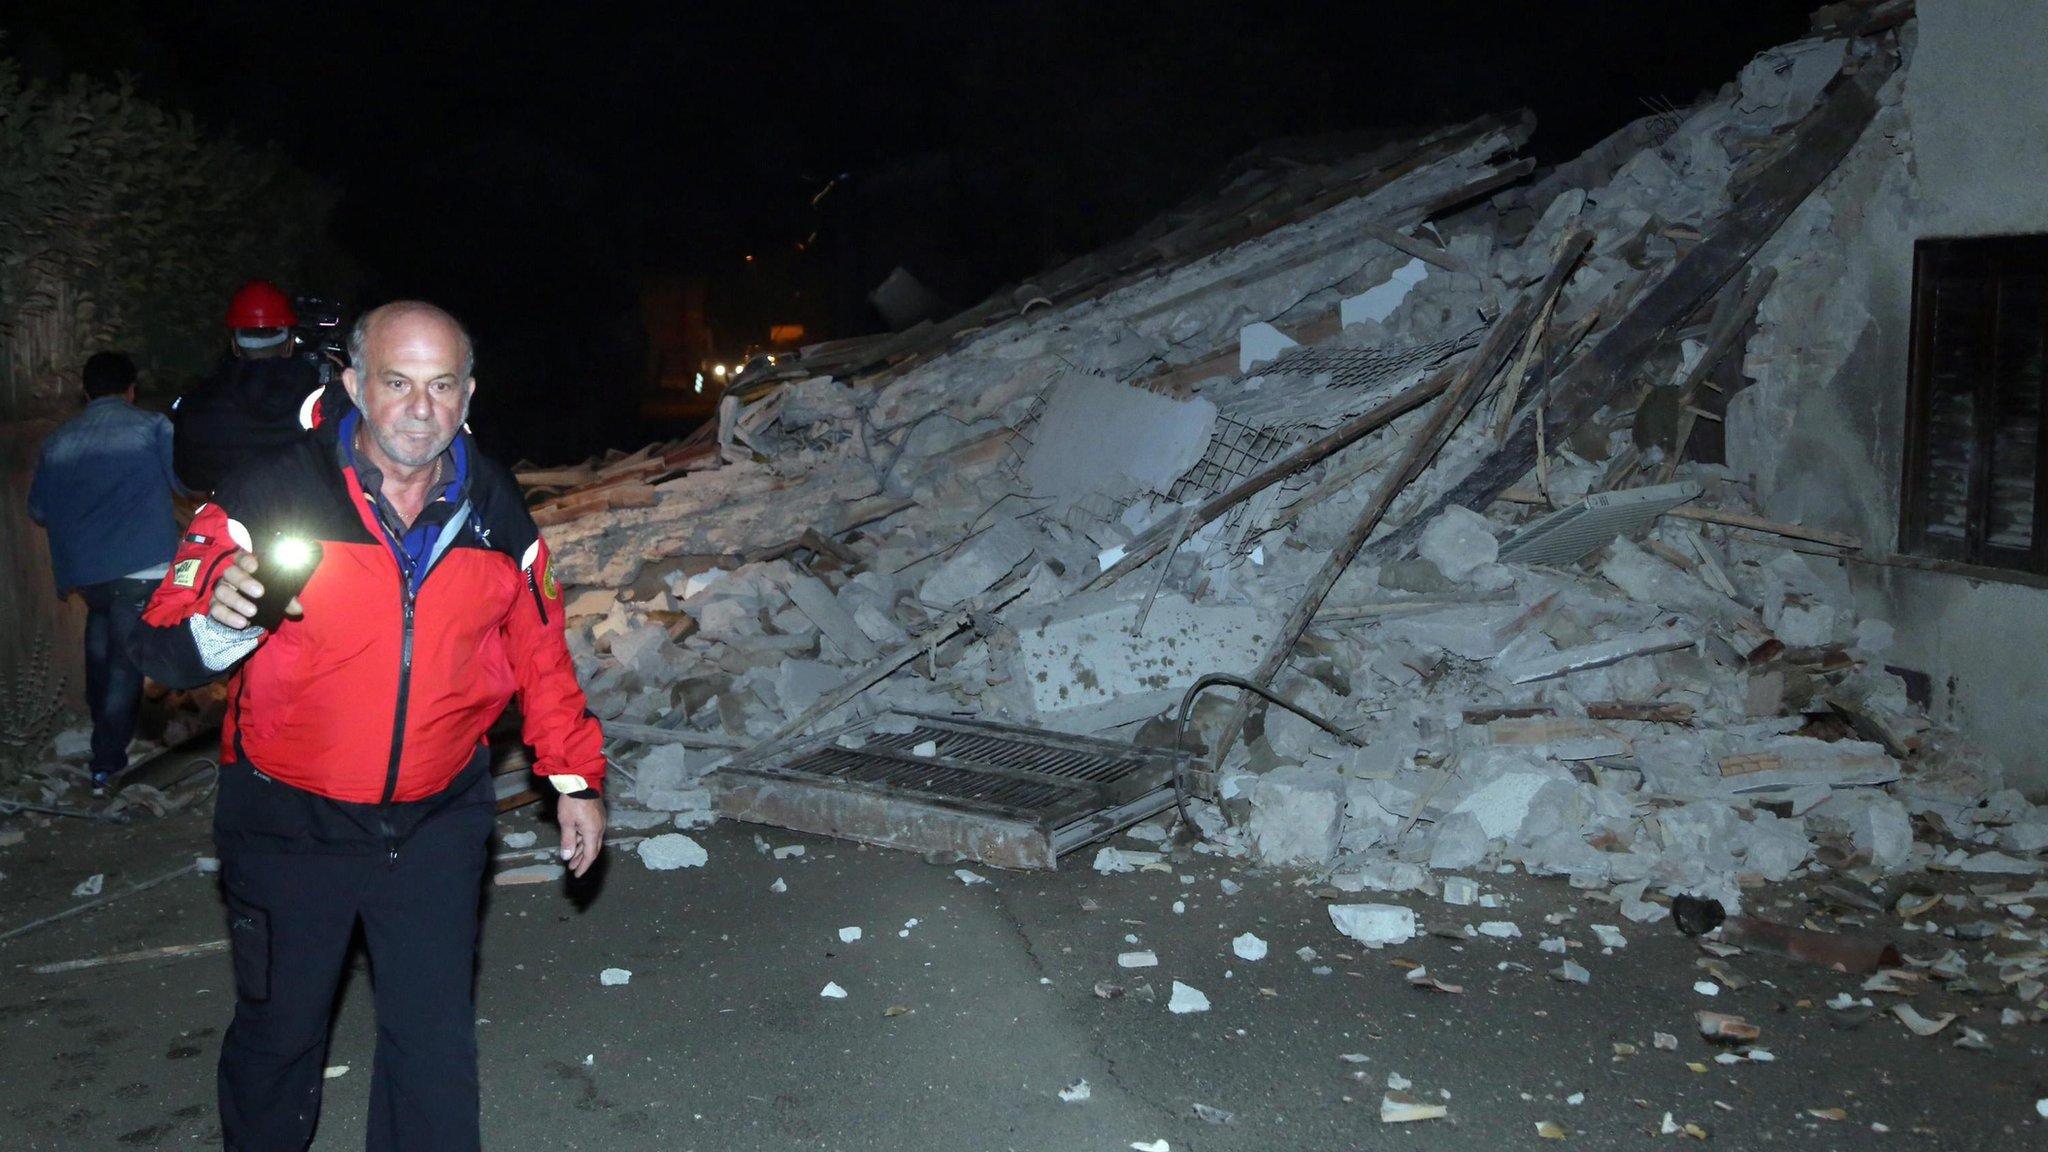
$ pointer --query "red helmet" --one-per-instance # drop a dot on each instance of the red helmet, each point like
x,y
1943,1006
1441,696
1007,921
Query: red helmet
x,y
260,304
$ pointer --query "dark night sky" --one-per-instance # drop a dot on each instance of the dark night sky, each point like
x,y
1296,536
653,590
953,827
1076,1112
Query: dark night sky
x,y
530,164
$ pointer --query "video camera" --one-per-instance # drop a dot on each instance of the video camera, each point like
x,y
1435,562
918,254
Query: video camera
x,y
321,337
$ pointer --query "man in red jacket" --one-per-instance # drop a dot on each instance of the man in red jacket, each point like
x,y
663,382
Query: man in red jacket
x,y
354,775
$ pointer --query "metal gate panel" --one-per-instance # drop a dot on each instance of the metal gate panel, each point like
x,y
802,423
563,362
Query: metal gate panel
x,y
1003,795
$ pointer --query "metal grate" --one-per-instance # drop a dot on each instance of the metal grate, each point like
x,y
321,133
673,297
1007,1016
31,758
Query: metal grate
x,y
1008,796
1236,450
1367,367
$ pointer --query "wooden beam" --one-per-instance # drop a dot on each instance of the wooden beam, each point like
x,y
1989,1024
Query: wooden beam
x,y
1444,418
1414,246
1728,328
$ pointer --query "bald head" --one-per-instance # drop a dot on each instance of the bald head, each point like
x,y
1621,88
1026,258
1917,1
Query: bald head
x,y
416,317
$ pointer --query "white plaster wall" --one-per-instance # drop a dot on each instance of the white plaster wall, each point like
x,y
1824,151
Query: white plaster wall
x,y
1961,149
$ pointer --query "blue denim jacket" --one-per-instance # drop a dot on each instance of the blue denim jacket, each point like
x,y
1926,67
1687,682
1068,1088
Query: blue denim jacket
x,y
103,491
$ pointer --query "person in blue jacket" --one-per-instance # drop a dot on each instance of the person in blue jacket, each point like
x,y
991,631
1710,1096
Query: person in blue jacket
x,y
103,491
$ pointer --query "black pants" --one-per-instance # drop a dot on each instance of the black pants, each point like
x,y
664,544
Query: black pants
x,y
299,872
113,684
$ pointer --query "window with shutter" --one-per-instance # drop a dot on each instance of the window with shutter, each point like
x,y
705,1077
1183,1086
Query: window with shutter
x,y
1974,459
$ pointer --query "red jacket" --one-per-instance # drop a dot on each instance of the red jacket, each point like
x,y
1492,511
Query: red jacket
x,y
376,694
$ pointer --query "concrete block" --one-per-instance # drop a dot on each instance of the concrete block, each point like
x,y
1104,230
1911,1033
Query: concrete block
x,y
1378,302
639,649
978,565
1459,843
1501,805
832,618
1260,343
1378,876
1099,436
1081,667
1374,925
877,626
799,683
1297,816
1459,541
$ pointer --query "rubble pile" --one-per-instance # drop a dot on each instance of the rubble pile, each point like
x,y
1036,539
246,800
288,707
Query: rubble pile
x,y
1435,441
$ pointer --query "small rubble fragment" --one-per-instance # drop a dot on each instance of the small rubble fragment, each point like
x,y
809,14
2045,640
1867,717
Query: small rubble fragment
x,y
1185,999
1076,1092
1374,925
1722,1026
1248,946
671,850
613,977
529,874
832,991
1401,1108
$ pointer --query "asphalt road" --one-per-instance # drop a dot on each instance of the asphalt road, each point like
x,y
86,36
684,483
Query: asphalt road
x,y
721,1040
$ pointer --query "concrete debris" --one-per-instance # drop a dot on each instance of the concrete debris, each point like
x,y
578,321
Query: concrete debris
x,y
1651,690
1076,1092
670,851
1111,860
1142,959
1098,438
529,874
91,886
517,840
832,991
1259,344
1400,1108
1248,947
849,934
613,977
1374,925
1459,542
1377,303
1186,999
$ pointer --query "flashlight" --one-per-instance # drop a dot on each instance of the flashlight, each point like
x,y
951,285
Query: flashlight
x,y
283,565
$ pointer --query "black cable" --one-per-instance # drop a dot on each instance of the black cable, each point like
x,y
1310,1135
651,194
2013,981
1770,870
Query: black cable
x,y
1187,707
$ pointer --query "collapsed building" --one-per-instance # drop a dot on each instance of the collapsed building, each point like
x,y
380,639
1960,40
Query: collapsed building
x,y
1545,505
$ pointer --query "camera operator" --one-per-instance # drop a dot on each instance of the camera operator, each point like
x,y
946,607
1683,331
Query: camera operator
x,y
258,399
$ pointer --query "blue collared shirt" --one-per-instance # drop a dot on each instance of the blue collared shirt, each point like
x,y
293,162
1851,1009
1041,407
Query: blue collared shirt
x,y
415,546
103,491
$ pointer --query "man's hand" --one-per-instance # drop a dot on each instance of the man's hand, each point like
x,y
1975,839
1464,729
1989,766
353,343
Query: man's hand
x,y
234,597
582,824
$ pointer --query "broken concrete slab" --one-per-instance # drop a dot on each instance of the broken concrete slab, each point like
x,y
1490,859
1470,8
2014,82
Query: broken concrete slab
x,y
1374,925
832,618
978,565
1260,343
1297,815
1458,542
1101,437
1079,668
1378,302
